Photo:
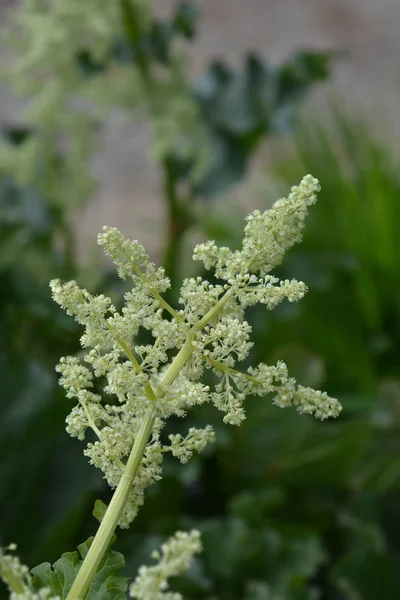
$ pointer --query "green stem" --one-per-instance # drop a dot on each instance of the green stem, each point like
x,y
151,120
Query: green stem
x,y
109,523
165,304
178,219
147,387
184,353
130,355
153,291
214,310
14,583
228,370
156,294
175,368
135,32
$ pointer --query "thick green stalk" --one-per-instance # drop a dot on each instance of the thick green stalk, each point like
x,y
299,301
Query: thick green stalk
x,y
110,520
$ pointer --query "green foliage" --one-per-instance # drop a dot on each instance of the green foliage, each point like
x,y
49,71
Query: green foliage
x,y
252,560
352,244
107,585
35,238
240,108
343,479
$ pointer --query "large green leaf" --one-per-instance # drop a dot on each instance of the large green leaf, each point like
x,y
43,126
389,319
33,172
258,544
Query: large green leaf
x,y
108,583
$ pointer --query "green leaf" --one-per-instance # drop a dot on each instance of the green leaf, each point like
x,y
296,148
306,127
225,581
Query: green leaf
x,y
184,19
108,584
300,72
233,101
228,164
369,575
159,41
99,510
58,578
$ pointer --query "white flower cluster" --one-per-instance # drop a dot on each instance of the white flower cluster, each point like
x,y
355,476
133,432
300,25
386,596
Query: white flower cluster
x,y
209,332
176,557
130,257
16,576
42,594
262,380
196,440
268,236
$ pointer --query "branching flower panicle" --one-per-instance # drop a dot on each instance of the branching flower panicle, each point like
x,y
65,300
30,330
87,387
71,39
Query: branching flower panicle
x,y
209,331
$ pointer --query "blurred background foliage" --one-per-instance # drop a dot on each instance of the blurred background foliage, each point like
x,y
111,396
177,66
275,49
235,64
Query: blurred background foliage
x,y
289,508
